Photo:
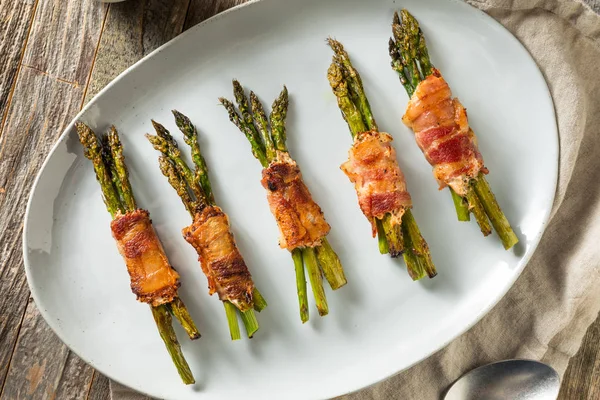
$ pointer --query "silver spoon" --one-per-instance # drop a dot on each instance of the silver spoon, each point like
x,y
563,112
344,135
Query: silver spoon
x,y
509,379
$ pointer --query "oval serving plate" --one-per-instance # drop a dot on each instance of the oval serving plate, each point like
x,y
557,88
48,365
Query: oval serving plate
x,y
381,322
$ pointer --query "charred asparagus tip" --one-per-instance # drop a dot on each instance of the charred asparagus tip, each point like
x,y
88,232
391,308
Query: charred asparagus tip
x,y
92,150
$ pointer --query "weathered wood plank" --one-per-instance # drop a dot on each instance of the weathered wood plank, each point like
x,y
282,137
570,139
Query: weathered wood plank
x,y
64,37
40,108
582,378
42,104
100,389
203,9
133,29
15,19
38,368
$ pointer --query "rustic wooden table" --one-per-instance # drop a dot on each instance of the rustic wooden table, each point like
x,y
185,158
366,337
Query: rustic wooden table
x,y
55,56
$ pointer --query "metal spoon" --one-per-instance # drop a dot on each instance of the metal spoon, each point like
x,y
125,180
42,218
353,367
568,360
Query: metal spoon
x,y
509,379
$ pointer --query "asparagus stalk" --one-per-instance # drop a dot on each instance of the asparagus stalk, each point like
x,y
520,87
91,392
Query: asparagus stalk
x,y
250,322
478,211
163,320
461,205
492,209
111,173
190,136
265,146
259,301
116,149
167,167
410,59
93,151
384,248
301,284
331,265
263,124
354,82
234,117
179,310
396,239
234,328
316,279
277,117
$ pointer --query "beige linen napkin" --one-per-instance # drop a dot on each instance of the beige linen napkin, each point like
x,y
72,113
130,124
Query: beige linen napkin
x,y
546,313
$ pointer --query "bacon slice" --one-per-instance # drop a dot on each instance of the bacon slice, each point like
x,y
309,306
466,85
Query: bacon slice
x,y
221,261
153,280
377,178
300,220
442,132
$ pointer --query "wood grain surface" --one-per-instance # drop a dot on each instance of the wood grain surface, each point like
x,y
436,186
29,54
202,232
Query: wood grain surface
x,y
55,56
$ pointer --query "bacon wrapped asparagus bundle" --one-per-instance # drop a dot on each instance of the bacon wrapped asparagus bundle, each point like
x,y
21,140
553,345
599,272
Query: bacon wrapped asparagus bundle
x,y
442,130
300,220
374,170
210,232
153,280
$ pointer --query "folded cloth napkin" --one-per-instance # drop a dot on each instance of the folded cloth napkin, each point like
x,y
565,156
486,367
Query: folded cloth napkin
x,y
546,313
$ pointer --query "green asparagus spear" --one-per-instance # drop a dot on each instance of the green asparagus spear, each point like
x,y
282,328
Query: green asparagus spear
x,y
234,328
250,322
331,265
255,143
93,152
492,209
110,165
349,110
190,136
116,149
316,279
277,117
263,126
259,301
301,284
179,310
354,82
163,320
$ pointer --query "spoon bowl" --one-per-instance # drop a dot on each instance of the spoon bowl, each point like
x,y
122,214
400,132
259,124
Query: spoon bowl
x,y
508,379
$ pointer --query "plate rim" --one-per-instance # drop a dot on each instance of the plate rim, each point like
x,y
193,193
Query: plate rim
x,y
350,388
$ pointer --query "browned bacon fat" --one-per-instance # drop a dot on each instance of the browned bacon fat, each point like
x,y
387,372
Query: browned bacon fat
x,y
152,278
377,178
220,258
300,220
442,132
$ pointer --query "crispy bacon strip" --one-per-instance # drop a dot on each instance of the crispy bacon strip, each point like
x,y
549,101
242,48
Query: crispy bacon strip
x,y
153,280
377,178
220,258
300,220
442,132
